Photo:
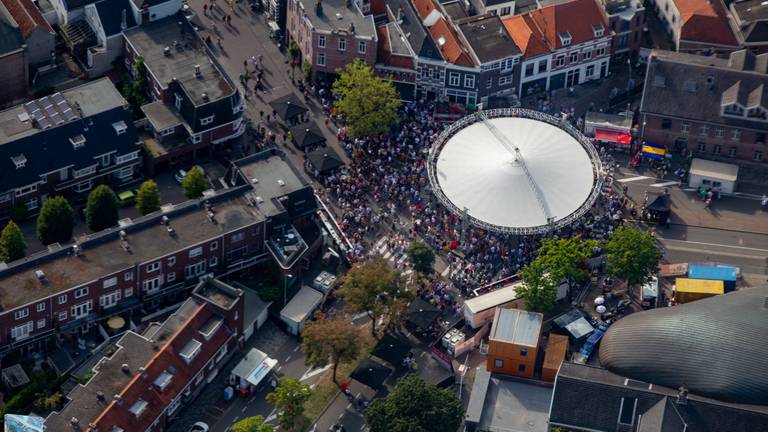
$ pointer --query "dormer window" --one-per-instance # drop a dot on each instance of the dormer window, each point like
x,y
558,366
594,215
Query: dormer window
x,y
163,380
565,38
733,110
19,160
598,30
77,141
120,127
138,407
206,120
757,113
191,350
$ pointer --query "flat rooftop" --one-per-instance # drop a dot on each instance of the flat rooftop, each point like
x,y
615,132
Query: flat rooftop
x,y
515,406
751,10
161,116
218,292
271,178
186,52
338,15
517,327
59,108
488,38
101,258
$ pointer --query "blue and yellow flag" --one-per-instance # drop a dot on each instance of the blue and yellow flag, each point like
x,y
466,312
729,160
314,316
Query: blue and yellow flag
x,y
654,151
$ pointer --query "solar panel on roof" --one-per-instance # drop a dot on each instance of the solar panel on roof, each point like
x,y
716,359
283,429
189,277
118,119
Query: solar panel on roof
x,y
46,102
38,115
57,119
70,115
45,123
50,110
57,98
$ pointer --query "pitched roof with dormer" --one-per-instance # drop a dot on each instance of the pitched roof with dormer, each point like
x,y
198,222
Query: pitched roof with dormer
x,y
27,16
527,35
577,18
705,21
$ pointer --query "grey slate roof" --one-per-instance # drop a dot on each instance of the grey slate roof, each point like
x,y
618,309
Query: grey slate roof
x,y
692,86
488,38
421,42
111,15
714,347
589,398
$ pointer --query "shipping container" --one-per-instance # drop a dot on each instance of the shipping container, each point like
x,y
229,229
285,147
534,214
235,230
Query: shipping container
x,y
479,310
688,290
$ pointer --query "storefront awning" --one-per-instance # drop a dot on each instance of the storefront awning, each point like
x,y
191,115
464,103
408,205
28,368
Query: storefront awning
x,y
613,136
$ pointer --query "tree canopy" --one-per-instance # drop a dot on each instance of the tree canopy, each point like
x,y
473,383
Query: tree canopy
x,y
148,198
101,211
330,339
373,287
369,104
252,424
194,183
422,257
538,290
56,221
12,244
415,406
566,258
632,255
288,399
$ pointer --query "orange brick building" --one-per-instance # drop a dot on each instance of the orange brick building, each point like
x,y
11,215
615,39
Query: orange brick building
x,y
514,342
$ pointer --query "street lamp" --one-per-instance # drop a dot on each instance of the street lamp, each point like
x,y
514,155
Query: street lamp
x,y
285,287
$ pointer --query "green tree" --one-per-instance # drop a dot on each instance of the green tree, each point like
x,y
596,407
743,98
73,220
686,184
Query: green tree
x,y
194,183
19,213
566,258
12,244
148,198
307,67
56,221
334,339
101,211
252,424
632,255
372,287
538,290
369,104
422,257
415,406
288,399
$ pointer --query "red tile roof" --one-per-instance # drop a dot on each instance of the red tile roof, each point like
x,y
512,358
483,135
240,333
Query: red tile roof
x,y
378,7
27,16
526,35
705,21
168,358
447,41
575,17
424,7
384,51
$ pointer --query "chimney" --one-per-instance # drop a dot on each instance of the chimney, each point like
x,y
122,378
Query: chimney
x,y
319,8
93,427
124,367
118,399
124,20
682,396
100,396
197,71
205,97
74,421
399,14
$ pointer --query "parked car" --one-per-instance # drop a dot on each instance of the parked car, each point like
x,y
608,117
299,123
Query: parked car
x,y
126,198
199,427
182,173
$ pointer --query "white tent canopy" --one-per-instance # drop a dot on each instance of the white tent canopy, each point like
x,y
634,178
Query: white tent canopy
x,y
254,367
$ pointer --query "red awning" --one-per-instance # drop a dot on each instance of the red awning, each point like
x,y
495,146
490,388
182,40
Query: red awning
x,y
612,136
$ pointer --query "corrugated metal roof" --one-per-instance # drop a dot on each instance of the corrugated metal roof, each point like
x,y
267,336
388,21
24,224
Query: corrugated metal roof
x,y
517,326
699,286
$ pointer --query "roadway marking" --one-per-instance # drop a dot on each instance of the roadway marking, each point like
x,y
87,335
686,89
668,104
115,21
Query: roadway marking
x,y
310,373
714,244
718,253
271,417
360,315
297,348
244,408
665,184
446,271
631,179
287,359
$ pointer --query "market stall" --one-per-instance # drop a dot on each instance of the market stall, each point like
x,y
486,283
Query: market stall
x,y
252,369
657,208
608,128
711,174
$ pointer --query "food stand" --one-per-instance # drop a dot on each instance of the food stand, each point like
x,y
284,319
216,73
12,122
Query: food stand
x,y
252,369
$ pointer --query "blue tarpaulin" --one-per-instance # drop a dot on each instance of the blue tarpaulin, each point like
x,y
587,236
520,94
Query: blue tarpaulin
x,y
723,273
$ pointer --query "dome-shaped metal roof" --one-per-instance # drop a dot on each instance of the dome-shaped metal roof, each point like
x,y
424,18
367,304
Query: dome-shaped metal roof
x,y
714,347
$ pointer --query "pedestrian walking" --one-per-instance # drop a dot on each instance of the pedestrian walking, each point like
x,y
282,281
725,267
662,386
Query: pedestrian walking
x,y
205,9
764,201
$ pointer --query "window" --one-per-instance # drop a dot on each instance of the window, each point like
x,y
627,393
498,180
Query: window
x,y
704,130
342,44
62,299
63,316
196,138
717,149
120,127
194,270
321,59
685,127
504,80
361,47
521,368
22,331
574,57
85,171
32,204
40,324
560,60
505,11
105,159
565,38
109,283
26,189
81,292
6,197
701,147
22,313
167,132
523,352
321,41
171,277
20,161
453,79
757,156
542,66
498,363
126,158
598,31
77,141
138,407
206,120
213,262
590,70
191,350
587,55
109,300
177,101
735,134
469,81
83,186
171,261
152,285
760,138
40,307
236,237
732,152
666,123
153,267
81,310
719,132
196,252
529,69
128,292
489,83
600,52
128,276
627,411
214,246
507,64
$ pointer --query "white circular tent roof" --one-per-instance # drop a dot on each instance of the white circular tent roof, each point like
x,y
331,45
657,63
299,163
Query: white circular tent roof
x,y
516,174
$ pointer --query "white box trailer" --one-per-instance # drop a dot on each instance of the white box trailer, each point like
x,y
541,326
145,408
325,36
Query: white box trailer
x,y
300,309
479,310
